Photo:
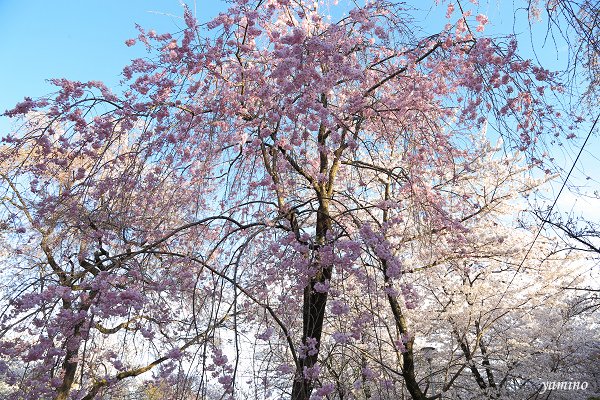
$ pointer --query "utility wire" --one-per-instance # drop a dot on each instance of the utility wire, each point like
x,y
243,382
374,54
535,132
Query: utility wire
x,y
564,184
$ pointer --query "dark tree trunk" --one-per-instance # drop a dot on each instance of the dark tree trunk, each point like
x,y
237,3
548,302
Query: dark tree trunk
x,y
313,312
408,362
69,367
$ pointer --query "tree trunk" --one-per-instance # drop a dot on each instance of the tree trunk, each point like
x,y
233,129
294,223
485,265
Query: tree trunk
x,y
69,367
408,362
313,312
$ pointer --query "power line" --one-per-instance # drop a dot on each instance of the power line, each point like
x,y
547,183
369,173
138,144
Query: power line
x,y
564,184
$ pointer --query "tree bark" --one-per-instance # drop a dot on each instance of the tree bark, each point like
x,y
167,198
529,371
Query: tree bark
x,y
313,311
69,367
408,361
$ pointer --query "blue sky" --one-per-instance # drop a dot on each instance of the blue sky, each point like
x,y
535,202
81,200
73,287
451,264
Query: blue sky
x,y
84,40
78,40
